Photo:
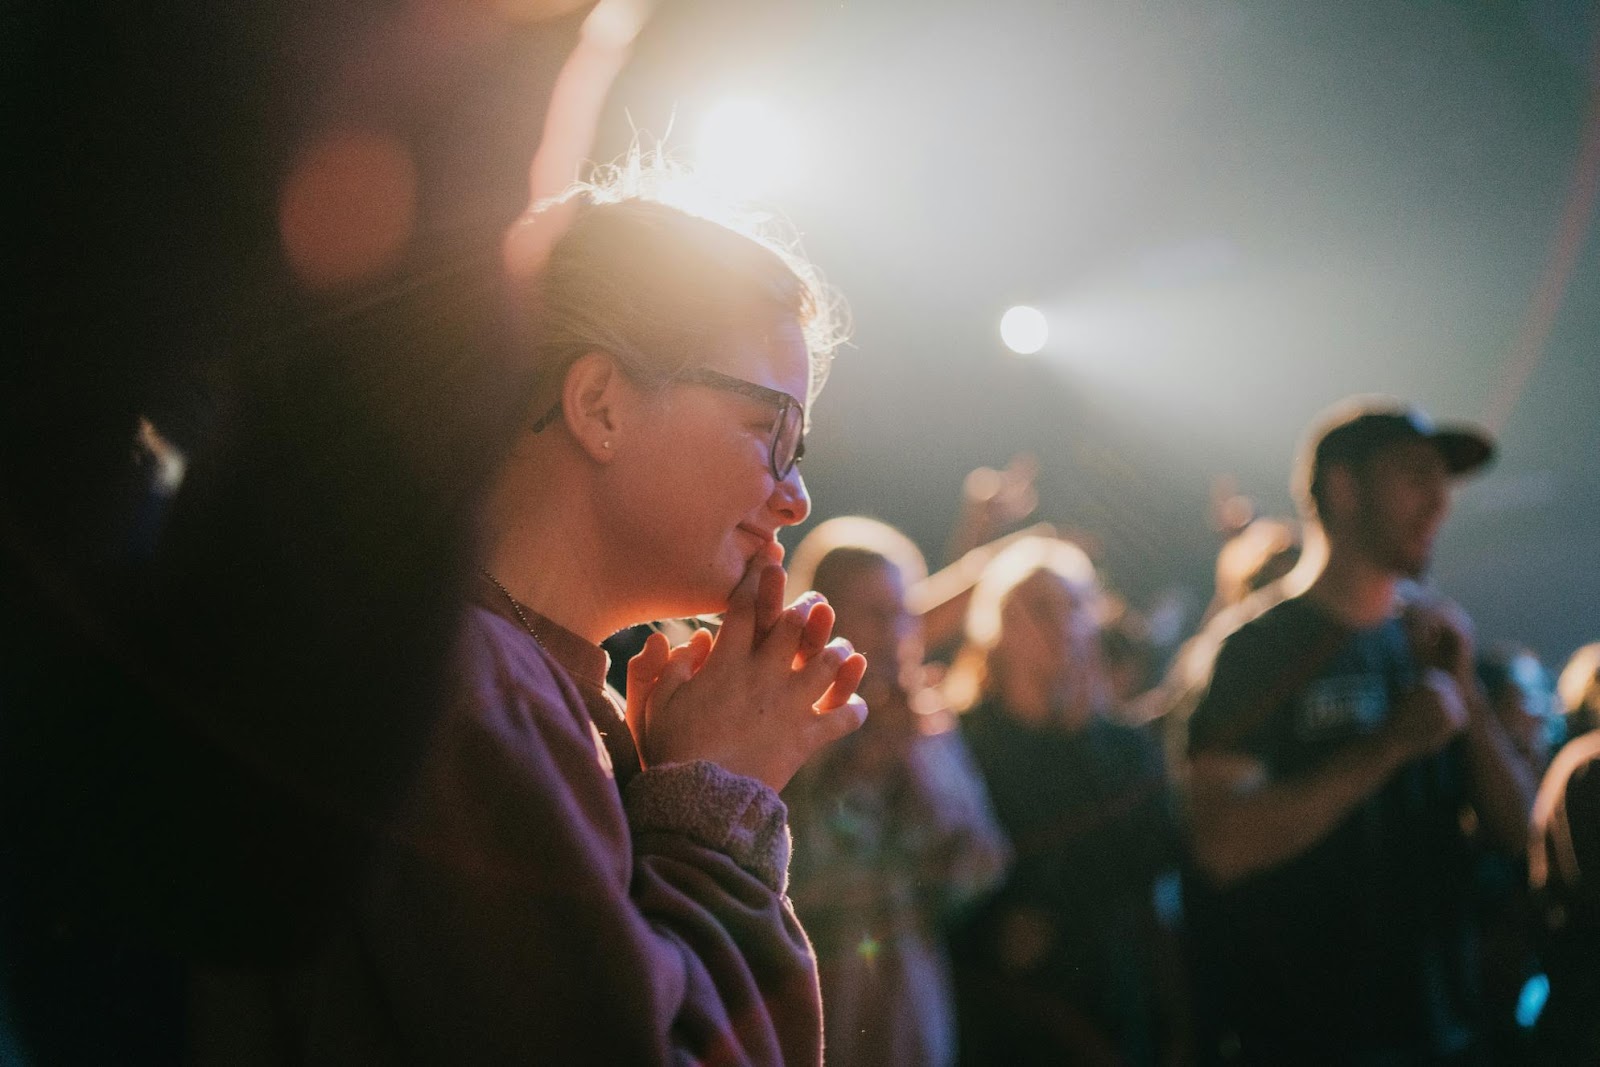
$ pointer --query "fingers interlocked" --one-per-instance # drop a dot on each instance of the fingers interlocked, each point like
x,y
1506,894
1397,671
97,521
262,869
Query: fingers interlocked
x,y
769,690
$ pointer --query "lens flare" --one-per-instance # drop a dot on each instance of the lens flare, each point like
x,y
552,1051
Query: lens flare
x,y
348,207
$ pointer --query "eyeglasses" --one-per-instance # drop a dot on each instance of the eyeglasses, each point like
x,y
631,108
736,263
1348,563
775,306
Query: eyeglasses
x,y
786,445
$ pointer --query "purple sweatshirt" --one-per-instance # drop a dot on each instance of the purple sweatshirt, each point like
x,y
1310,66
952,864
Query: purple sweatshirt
x,y
527,909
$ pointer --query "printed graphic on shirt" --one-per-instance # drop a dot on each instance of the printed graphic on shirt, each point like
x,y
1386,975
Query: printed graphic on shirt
x,y
1341,706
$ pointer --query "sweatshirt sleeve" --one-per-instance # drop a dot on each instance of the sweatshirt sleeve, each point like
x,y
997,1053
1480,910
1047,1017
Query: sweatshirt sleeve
x,y
523,913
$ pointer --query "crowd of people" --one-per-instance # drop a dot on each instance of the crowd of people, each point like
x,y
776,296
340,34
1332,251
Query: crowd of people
x,y
1315,840
1310,843
869,814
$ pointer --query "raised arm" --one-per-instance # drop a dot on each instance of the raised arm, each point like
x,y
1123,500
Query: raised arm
x,y
992,500
941,599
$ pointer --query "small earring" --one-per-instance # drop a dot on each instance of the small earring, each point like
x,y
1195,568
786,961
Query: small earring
x,y
605,444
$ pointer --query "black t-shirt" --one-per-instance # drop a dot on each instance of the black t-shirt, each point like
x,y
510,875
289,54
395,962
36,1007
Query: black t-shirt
x,y
1089,819
1360,944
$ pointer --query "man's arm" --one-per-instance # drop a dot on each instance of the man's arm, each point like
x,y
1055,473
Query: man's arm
x,y
1502,784
1242,821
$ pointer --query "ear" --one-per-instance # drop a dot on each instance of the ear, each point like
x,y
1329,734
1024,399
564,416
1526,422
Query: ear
x,y
591,402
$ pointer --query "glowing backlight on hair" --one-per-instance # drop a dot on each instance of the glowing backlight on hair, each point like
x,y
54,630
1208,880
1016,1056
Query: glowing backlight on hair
x,y
747,148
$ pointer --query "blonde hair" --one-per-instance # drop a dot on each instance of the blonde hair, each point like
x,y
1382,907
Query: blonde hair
x,y
969,675
650,268
1579,685
853,539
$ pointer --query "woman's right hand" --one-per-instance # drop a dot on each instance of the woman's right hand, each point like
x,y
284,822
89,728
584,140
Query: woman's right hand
x,y
761,697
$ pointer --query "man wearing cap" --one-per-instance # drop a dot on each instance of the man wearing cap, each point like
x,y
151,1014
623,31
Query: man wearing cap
x,y
1335,764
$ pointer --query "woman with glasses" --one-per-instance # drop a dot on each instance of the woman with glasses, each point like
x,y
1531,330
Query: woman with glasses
x,y
562,888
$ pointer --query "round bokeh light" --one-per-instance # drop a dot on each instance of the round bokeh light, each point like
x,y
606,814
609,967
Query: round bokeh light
x,y
1024,330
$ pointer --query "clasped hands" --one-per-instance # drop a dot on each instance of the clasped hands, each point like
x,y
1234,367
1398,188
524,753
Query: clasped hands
x,y
761,696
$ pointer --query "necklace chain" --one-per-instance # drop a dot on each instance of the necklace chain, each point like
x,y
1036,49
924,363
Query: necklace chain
x,y
516,606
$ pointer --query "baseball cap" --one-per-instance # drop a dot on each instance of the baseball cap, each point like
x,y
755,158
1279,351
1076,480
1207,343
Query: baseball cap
x,y
1350,432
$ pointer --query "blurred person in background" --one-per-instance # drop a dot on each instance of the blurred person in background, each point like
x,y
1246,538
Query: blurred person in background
x,y
1564,870
1521,694
1062,963
993,502
1325,770
1257,554
1130,654
1579,690
256,239
892,826
1252,559
1139,648
1564,876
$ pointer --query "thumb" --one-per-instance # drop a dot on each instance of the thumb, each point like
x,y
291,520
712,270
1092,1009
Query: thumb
x,y
643,672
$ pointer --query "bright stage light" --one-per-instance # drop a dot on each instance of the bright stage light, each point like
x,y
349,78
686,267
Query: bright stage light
x,y
747,149
1024,330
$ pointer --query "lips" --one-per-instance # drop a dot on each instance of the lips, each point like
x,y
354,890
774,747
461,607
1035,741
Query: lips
x,y
759,536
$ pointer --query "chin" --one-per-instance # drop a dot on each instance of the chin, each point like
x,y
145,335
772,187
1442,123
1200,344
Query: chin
x,y
694,607
683,601
713,598
1406,558
706,589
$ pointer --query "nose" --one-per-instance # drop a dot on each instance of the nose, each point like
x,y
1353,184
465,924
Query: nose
x,y
789,501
